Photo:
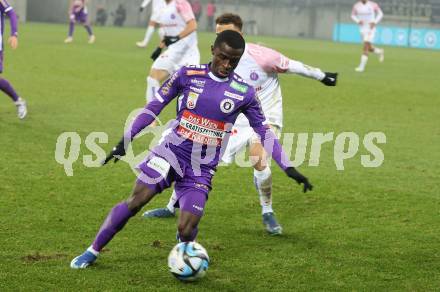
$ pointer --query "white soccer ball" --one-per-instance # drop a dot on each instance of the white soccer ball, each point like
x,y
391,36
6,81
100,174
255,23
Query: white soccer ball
x,y
188,261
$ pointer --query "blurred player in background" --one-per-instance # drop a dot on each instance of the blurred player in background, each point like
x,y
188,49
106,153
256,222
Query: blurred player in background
x,y
259,66
78,13
204,118
5,86
367,14
157,6
179,27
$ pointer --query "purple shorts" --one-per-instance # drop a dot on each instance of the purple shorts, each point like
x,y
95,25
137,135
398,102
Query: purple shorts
x,y
191,199
80,16
192,191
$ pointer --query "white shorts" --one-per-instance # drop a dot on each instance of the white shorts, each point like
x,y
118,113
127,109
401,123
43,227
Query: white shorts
x,y
368,34
241,137
176,56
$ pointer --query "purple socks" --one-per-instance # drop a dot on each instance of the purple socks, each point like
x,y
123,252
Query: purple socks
x,y
7,88
89,30
71,28
114,222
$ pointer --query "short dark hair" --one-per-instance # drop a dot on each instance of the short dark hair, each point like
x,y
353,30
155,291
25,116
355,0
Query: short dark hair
x,y
230,18
230,37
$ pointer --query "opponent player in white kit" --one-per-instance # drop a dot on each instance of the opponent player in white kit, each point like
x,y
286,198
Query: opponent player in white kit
x,y
367,14
156,8
179,27
259,66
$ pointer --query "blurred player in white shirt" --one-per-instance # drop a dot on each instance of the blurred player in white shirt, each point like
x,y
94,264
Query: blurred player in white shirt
x,y
156,8
367,14
259,67
178,24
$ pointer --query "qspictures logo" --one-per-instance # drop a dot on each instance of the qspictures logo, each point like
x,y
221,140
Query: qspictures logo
x,y
301,148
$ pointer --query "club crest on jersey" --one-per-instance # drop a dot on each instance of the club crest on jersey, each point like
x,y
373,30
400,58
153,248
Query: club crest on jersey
x,y
233,95
239,87
254,76
227,105
191,101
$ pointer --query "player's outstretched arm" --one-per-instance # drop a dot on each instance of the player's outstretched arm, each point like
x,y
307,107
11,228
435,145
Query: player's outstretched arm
x,y
13,39
327,78
117,152
271,143
169,90
274,62
272,146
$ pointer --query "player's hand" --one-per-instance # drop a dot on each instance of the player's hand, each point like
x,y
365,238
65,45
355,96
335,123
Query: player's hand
x,y
117,152
169,40
372,25
13,42
330,79
156,53
72,17
141,9
361,22
299,178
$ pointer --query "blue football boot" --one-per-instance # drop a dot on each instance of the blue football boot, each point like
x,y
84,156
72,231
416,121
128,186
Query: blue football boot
x,y
83,261
271,224
158,213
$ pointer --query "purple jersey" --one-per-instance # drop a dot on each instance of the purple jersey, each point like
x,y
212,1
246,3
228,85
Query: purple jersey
x,y
207,109
79,11
6,9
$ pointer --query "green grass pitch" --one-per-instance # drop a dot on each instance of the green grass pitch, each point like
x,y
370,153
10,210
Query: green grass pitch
x,y
361,229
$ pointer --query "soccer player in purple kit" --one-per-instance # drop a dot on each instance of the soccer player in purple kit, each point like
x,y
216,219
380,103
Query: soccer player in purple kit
x,y
78,13
5,86
210,99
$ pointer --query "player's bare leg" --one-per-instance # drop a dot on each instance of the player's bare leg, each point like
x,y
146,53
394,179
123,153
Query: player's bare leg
x,y
115,221
154,80
263,184
378,51
187,226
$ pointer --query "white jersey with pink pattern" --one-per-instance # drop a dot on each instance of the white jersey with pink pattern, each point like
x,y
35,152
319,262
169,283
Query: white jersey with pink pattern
x,y
259,66
368,12
173,19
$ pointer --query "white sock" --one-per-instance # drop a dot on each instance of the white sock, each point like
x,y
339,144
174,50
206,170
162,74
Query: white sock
x,y
378,51
364,60
263,183
96,253
148,35
152,87
172,201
